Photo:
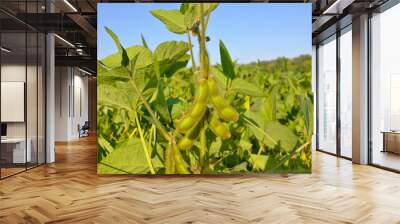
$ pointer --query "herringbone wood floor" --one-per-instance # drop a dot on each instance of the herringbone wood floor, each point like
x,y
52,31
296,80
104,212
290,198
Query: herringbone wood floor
x,y
69,191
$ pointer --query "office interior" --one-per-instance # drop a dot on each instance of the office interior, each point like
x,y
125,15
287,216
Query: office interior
x,y
48,76
48,128
44,96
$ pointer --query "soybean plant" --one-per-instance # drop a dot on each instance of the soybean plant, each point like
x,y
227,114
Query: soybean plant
x,y
199,116
240,118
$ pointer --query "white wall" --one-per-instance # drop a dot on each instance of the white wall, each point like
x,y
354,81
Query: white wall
x,y
71,94
62,81
33,127
12,73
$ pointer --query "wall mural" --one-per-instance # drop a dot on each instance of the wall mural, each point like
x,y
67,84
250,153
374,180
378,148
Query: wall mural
x,y
188,105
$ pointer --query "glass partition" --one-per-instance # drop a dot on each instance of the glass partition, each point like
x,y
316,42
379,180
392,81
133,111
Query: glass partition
x,y
327,95
385,89
346,92
13,94
22,77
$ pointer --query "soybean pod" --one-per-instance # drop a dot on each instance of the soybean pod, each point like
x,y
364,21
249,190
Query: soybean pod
x,y
196,112
190,137
226,111
218,128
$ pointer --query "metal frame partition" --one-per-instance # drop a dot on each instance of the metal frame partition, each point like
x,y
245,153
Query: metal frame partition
x,y
36,63
338,33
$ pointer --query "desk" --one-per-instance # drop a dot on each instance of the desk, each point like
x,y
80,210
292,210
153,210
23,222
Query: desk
x,y
13,150
391,141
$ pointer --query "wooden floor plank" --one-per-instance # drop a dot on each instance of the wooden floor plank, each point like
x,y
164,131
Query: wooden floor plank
x,y
70,191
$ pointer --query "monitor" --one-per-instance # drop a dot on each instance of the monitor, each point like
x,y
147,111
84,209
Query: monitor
x,y
3,129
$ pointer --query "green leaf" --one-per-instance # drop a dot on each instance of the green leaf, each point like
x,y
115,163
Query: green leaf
x,y
241,167
146,83
144,57
101,68
172,19
144,42
257,125
270,132
105,148
133,65
167,54
259,162
127,158
228,67
222,81
179,64
247,88
117,94
160,103
121,50
268,108
307,111
280,134
112,75
246,145
209,7
184,7
190,16
215,146
105,144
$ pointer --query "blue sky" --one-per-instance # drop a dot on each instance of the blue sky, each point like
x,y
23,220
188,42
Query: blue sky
x,y
250,31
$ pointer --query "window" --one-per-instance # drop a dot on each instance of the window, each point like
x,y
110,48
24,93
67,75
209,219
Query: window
x,y
327,95
346,92
385,89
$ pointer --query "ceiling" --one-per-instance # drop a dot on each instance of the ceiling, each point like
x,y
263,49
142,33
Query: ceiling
x,y
332,15
75,22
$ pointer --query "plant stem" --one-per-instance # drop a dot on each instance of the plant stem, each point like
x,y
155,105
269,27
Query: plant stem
x,y
150,136
203,52
220,160
133,133
203,147
260,150
191,52
207,18
146,152
161,127
291,154
179,162
169,161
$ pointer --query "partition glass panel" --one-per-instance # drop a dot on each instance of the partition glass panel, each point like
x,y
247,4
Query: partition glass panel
x,y
385,89
14,151
327,95
346,92
22,64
